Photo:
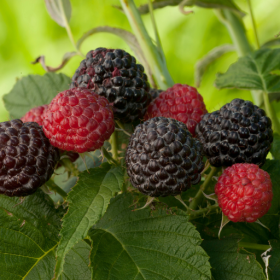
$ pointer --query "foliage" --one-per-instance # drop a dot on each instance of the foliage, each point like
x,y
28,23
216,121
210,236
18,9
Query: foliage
x,y
93,227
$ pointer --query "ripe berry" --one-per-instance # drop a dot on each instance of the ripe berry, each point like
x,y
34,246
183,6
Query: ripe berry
x,y
244,192
239,132
27,159
78,120
115,75
162,158
180,102
35,114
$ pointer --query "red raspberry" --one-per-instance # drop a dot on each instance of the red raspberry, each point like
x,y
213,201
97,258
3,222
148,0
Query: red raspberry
x,y
244,192
78,120
180,102
35,115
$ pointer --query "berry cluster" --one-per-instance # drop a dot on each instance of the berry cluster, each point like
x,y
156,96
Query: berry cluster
x,y
165,153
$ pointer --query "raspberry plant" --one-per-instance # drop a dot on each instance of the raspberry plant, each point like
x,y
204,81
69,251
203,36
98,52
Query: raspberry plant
x,y
138,134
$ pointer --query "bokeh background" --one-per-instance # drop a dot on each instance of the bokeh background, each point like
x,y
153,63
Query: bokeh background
x,y
27,31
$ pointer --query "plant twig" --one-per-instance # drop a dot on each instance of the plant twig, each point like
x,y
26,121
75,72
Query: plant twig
x,y
201,212
120,125
67,27
271,113
253,23
156,60
114,145
106,154
194,203
68,164
54,187
255,246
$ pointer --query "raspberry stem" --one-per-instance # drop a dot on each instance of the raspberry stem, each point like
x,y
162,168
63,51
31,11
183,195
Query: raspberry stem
x,y
255,246
68,164
154,57
201,212
114,145
54,187
108,156
199,195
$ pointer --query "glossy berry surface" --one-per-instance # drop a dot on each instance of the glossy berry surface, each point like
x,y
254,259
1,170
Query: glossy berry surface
x,y
180,102
27,159
163,158
244,192
78,120
35,115
114,74
239,132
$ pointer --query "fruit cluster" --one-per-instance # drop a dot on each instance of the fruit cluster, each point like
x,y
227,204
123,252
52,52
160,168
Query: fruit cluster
x,y
165,153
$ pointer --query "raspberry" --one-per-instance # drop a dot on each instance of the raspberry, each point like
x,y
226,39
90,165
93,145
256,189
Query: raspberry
x,y
35,115
78,120
155,92
162,158
180,102
27,159
115,75
239,132
244,192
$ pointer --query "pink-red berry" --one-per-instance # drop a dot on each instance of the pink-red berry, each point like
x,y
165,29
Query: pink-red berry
x,y
180,102
35,115
78,120
244,192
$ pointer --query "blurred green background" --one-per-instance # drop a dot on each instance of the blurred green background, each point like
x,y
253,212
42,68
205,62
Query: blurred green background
x,y
27,31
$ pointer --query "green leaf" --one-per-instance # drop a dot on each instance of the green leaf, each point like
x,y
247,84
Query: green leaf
x,y
217,4
271,43
275,149
88,202
274,260
28,236
146,245
228,263
76,265
32,91
59,13
255,71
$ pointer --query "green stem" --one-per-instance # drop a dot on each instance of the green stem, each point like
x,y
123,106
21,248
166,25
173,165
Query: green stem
x,y
201,212
155,26
271,113
108,156
253,246
253,23
114,145
54,187
67,27
68,164
236,31
199,195
155,59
